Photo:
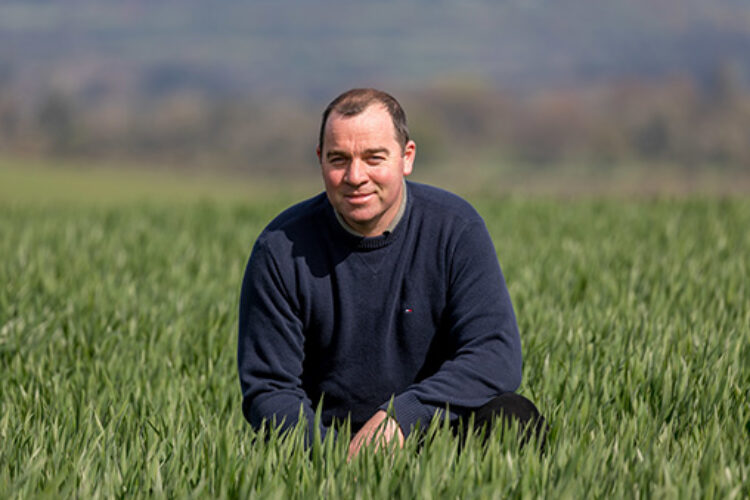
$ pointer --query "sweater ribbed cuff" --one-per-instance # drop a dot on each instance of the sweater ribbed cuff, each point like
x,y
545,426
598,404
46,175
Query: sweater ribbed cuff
x,y
408,411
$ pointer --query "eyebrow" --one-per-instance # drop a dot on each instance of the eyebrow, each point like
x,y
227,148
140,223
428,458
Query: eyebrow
x,y
371,151
376,151
335,152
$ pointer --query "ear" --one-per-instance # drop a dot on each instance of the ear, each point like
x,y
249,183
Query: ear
x,y
317,152
410,152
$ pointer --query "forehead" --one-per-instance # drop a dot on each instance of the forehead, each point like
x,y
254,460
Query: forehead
x,y
372,124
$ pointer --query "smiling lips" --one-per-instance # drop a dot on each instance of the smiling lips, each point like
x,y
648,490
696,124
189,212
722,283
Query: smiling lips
x,y
358,198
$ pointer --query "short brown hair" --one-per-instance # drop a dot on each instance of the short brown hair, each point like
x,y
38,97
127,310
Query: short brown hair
x,y
355,101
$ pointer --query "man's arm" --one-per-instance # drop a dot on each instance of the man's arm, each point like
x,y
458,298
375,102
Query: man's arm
x,y
270,349
486,345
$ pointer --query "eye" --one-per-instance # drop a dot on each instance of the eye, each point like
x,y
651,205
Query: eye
x,y
337,161
375,159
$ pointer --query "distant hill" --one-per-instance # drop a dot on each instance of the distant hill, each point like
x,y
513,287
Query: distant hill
x,y
297,47
238,85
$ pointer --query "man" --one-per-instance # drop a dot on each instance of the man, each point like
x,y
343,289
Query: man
x,y
377,292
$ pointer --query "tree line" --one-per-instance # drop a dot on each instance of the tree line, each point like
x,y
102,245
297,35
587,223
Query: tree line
x,y
674,121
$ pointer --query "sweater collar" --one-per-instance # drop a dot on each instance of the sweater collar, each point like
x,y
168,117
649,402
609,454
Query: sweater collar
x,y
359,242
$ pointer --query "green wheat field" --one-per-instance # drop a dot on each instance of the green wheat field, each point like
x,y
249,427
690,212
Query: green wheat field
x,y
118,319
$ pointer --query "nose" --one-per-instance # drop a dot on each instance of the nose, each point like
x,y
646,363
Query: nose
x,y
355,173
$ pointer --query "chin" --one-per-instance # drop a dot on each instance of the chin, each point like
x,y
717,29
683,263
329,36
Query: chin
x,y
357,219
356,212
360,217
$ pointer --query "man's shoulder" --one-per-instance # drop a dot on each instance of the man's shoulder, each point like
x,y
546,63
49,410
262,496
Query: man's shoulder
x,y
438,203
299,213
297,220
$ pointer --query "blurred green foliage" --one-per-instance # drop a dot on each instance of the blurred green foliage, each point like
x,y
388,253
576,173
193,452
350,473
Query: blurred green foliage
x,y
118,344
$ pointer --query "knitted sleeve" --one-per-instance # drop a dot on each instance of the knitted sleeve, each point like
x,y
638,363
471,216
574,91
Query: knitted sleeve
x,y
484,337
270,347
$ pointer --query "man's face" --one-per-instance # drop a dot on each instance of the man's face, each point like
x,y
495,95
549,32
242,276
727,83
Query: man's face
x,y
363,168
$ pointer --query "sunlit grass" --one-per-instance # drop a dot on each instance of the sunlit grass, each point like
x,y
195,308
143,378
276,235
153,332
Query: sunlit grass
x,y
118,347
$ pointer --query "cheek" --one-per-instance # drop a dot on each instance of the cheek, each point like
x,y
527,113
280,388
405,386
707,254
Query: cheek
x,y
388,179
332,178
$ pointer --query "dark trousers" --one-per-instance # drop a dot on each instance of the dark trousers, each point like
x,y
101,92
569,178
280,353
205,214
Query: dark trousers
x,y
505,410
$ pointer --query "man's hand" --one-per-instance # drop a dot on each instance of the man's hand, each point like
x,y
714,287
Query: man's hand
x,y
380,428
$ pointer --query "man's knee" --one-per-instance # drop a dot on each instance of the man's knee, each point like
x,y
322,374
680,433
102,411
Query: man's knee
x,y
510,408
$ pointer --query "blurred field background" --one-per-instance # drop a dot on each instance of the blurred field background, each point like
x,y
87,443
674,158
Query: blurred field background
x,y
144,145
644,96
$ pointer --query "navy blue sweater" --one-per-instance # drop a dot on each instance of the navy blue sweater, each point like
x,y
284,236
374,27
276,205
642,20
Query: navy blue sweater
x,y
421,315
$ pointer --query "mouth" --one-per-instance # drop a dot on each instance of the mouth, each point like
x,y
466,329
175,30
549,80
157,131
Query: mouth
x,y
357,198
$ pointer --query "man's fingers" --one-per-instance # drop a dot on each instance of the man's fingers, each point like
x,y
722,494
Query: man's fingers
x,y
380,428
354,446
